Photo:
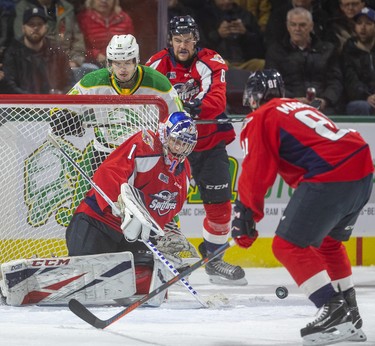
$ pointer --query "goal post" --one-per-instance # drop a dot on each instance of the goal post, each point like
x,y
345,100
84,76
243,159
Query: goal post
x,y
40,189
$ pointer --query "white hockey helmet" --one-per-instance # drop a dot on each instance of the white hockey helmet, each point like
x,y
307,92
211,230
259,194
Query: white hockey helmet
x,y
123,47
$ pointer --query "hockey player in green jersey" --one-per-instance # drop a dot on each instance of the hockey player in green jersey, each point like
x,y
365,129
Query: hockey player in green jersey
x,y
125,76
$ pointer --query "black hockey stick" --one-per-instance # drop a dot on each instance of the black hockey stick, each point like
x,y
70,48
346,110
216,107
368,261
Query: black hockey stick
x,y
83,313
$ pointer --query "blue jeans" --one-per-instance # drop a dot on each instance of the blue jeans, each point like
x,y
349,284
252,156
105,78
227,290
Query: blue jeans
x,y
359,107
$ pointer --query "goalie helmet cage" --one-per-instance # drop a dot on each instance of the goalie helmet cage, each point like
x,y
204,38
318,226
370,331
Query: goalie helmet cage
x,y
40,189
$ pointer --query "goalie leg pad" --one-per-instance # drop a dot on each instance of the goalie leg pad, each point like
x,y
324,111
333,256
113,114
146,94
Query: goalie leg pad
x,y
143,276
95,279
160,275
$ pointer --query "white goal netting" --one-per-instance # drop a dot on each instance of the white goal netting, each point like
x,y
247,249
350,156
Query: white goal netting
x,y
39,188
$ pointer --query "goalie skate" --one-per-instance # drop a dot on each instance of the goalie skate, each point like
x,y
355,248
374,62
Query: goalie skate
x,y
176,248
223,273
333,324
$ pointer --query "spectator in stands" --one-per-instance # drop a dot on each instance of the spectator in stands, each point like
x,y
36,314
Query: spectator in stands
x,y
5,86
99,22
177,8
35,65
276,29
63,29
234,33
305,61
276,3
330,6
261,9
78,5
358,62
342,23
7,14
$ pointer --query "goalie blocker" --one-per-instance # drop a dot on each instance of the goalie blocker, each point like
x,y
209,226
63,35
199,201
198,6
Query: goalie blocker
x,y
93,279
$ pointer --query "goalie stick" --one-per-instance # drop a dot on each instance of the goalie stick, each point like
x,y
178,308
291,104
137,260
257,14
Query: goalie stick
x,y
86,315
114,207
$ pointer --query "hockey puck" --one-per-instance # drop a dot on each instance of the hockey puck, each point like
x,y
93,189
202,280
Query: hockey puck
x,y
281,292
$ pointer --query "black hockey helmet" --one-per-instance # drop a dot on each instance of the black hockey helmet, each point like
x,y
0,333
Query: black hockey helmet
x,y
261,87
180,25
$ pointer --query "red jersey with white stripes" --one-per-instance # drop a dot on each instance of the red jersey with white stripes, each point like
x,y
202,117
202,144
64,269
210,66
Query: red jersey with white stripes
x,y
140,162
287,137
203,78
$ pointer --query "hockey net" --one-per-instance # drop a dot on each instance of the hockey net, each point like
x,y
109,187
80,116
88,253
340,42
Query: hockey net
x,y
40,189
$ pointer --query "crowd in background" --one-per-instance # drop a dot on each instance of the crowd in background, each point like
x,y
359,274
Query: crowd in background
x,y
328,45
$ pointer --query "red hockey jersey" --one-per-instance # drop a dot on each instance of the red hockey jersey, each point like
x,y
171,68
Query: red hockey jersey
x,y
301,144
204,79
140,162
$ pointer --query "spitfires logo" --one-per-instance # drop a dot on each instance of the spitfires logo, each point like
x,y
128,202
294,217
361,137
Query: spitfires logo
x,y
187,90
163,202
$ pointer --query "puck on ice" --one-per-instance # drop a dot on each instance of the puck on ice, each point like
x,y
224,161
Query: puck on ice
x,y
282,292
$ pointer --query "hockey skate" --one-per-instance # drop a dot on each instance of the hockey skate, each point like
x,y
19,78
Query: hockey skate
x,y
333,324
350,299
222,273
176,248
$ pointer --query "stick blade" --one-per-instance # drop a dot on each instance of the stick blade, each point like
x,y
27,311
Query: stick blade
x,y
83,313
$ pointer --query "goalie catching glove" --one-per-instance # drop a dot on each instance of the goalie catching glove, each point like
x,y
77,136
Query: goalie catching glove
x,y
136,220
243,226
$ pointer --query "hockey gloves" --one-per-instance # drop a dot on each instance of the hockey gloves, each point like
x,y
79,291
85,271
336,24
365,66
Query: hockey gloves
x,y
65,122
136,220
243,226
193,107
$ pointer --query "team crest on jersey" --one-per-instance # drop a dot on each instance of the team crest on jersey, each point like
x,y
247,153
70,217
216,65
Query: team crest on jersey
x,y
164,178
218,58
187,90
147,138
163,202
171,75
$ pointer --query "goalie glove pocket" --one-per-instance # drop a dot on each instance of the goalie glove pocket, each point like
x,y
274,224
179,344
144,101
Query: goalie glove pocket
x,y
131,229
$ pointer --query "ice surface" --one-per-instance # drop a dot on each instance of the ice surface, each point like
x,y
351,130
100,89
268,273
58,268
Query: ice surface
x,y
252,316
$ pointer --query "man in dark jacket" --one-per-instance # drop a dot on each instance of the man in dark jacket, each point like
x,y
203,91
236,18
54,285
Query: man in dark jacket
x,y
304,61
234,33
34,65
276,29
358,65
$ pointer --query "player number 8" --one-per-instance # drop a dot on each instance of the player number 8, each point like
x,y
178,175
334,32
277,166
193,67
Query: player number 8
x,y
321,124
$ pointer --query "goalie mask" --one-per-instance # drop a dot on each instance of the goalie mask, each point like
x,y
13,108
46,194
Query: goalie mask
x,y
180,25
179,136
261,87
